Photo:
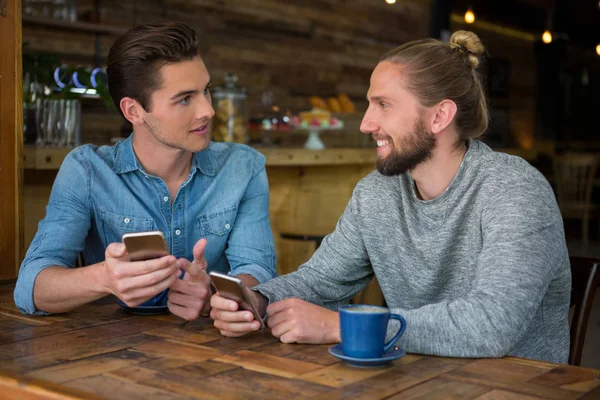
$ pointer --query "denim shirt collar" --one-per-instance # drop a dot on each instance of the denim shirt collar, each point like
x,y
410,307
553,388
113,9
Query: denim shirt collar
x,y
126,161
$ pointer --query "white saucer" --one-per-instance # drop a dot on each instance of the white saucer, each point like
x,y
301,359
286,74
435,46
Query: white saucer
x,y
392,354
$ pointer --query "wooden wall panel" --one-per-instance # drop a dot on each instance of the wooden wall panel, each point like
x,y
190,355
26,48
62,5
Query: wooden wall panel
x,y
11,141
293,48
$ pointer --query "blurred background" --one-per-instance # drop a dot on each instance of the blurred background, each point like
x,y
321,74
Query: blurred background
x,y
290,78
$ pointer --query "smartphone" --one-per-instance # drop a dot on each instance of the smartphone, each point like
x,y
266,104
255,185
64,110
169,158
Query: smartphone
x,y
145,245
233,288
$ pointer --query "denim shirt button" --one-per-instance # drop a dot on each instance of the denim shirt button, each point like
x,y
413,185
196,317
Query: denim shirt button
x,y
227,226
178,232
127,220
166,198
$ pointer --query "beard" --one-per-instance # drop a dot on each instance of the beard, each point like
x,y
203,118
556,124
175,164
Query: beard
x,y
416,147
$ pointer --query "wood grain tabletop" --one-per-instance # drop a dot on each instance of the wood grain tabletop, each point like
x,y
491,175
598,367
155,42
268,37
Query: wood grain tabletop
x,y
100,351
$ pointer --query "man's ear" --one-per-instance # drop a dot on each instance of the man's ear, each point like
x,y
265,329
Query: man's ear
x,y
132,110
444,113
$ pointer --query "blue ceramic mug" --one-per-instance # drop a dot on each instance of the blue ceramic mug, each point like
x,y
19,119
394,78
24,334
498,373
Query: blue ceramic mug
x,y
363,328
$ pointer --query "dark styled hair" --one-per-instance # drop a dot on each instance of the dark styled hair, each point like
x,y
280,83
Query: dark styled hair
x,y
438,71
135,59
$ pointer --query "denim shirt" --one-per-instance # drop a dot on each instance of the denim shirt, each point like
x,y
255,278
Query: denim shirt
x,y
100,193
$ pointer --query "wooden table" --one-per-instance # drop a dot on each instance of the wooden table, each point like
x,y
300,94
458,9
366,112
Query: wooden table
x,y
99,351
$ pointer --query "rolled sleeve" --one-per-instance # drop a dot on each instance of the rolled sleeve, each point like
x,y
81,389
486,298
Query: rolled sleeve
x,y
23,294
61,234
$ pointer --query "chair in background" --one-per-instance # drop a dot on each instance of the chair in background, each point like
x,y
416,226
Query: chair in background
x,y
585,274
574,177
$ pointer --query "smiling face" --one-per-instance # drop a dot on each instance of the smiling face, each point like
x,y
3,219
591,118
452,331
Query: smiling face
x,y
180,109
395,119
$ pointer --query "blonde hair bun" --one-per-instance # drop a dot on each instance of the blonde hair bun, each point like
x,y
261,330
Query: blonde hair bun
x,y
470,43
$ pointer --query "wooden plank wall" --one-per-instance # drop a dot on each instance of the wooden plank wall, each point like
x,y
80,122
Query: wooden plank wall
x,y
11,141
294,48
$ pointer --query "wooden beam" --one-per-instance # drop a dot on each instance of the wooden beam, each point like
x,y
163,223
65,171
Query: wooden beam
x,y
11,141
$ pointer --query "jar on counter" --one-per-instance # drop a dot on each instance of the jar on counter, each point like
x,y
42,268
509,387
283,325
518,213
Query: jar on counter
x,y
230,122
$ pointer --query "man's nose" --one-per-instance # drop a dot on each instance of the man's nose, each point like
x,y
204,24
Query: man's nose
x,y
205,109
368,123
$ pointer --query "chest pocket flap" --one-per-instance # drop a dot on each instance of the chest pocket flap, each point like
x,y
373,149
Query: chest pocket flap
x,y
115,225
218,223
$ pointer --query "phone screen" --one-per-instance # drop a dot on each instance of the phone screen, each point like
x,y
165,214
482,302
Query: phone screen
x,y
234,289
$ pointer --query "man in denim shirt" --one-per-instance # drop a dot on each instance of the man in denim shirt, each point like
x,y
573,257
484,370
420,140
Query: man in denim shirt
x,y
166,176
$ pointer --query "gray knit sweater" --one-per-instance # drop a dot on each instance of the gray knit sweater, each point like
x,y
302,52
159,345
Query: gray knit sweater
x,y
480,271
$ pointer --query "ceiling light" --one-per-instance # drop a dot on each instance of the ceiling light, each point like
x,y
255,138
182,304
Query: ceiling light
x,y
547,37
390,1
598,49
469,16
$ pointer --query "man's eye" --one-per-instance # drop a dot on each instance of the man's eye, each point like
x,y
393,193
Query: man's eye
x,y
185,101
207,90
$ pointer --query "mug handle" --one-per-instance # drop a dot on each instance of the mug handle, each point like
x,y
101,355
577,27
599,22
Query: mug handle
x,y
400,318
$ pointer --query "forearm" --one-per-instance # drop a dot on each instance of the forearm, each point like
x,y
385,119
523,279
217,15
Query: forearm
x,y
59,289
248,280
319,282
473,326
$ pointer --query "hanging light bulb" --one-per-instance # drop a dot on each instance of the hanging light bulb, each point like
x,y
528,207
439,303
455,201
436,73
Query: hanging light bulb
x,y
547,37
598,49
390,1
469,16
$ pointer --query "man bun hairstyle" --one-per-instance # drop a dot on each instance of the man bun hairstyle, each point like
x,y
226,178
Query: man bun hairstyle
x,y
436,71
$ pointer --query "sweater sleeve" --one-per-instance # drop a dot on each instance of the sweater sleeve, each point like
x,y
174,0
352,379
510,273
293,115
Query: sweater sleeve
x,y
523,249
338,270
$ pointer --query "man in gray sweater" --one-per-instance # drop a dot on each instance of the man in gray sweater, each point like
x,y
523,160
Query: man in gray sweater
x,y
466,243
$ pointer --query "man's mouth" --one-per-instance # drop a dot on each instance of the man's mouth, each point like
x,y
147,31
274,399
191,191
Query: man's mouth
x,y
382,142
201,130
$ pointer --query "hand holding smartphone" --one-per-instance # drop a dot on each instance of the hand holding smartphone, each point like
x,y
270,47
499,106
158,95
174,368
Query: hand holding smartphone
x,y
233,288
146,245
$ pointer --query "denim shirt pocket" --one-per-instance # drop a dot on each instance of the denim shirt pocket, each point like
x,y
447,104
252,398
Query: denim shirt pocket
x,y
115,225
219,223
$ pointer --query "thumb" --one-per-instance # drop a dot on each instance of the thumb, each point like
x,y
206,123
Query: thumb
x,y
116,250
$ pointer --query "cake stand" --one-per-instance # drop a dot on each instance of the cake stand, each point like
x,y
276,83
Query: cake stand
x,y
314,141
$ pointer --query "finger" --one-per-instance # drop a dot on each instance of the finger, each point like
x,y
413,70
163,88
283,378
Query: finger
x,y
139,268
116,250
196,289
279,306
183,265
231,316
187,313
221,303
237,327
233,334
289,337
147,280
142,294
185,300
281,329
276,319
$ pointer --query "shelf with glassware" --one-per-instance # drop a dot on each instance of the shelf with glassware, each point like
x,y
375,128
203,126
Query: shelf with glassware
x,y
52,96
